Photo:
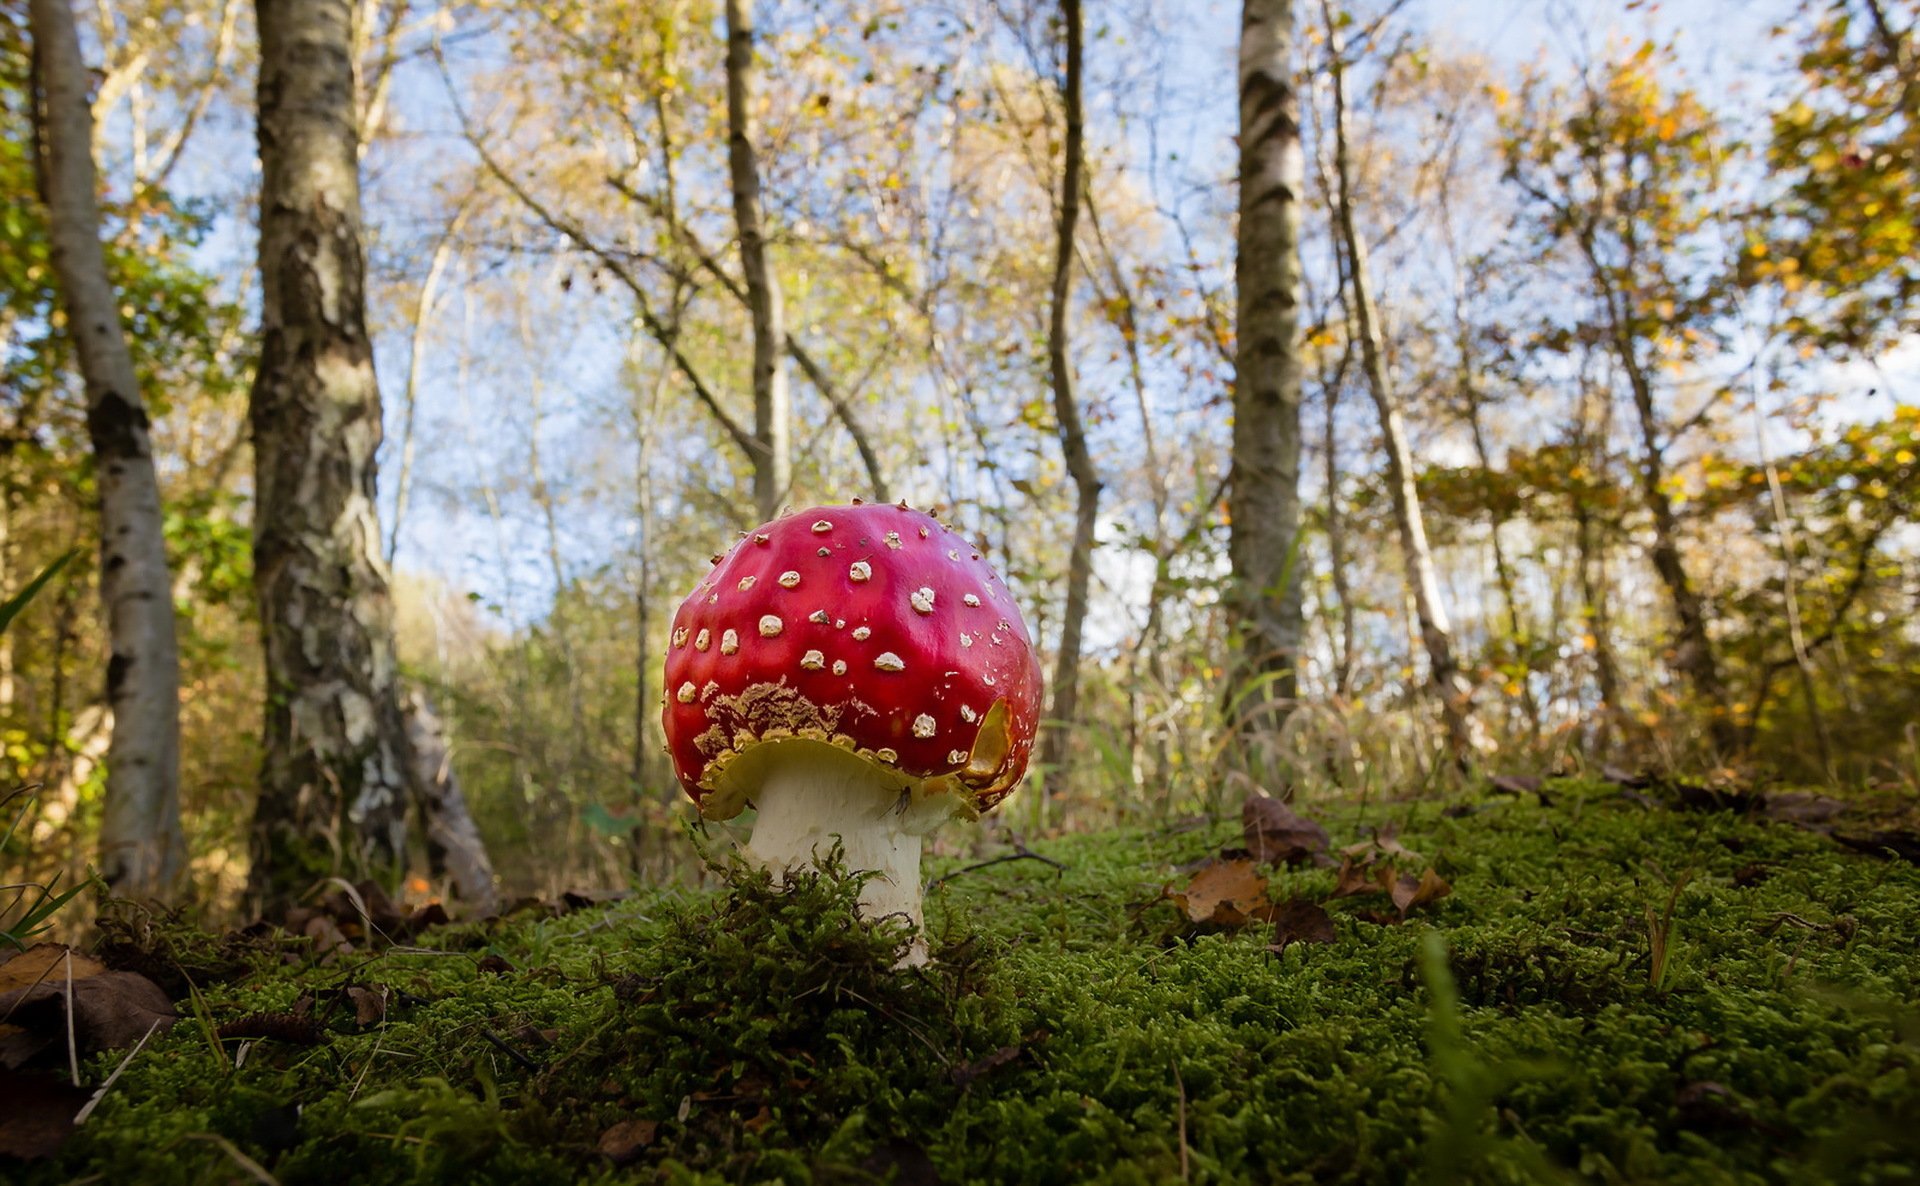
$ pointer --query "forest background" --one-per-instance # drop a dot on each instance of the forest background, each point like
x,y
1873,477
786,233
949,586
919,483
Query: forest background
x,y
1614,303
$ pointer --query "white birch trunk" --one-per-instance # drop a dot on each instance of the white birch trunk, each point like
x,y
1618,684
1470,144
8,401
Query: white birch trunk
x,y
333,787
1264,501
142,850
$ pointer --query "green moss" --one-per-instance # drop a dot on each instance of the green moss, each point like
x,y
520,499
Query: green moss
x,y
1075,1031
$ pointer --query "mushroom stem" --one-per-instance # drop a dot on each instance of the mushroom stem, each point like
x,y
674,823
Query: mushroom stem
x,y
811,793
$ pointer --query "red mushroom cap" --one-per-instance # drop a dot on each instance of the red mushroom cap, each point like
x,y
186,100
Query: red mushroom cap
x,y
874,628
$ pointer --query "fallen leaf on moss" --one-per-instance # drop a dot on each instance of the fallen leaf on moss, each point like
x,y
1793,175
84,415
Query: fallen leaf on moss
x,y
537,1037
36,1114
1803,809
1383,844
1299,921
326,935
1410,893
1276,834
967,1072
110,1009
1901,843
1706,1106
1224,893
369,1007
1516,784
1355,877
623,1143
43,962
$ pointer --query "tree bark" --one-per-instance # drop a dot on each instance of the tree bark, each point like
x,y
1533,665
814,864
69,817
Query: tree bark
x,y
1264,501
1337,562
454,849
1693,651
772,420
333,782
1593,592
1423,580
1517,630
423,307
142,849
1066,410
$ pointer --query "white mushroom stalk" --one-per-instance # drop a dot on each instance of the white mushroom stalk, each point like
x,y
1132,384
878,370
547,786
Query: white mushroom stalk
x,y
813,796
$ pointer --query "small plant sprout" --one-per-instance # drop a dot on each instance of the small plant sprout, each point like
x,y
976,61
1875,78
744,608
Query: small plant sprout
x,y
884,684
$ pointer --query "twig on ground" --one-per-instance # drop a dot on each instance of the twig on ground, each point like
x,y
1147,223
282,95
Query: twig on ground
x,y
506,1048
1020,853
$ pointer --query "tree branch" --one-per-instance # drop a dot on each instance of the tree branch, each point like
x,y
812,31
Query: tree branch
x,y
561,225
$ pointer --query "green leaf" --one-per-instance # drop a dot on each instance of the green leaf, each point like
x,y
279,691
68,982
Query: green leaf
x,y
10,609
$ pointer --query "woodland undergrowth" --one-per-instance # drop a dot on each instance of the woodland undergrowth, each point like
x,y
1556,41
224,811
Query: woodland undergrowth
x,y
1574,981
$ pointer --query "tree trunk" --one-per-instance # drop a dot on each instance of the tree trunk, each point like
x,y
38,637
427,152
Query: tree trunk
x,y
1693,648
773,458
7,685
423,307
1593,592
1264,503
333,783
454,849
141,845
1693,653
1066,410
1517,631
1337,565
1423,581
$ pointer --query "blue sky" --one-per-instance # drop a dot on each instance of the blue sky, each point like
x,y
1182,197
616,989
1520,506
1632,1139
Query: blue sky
x,y
1723,44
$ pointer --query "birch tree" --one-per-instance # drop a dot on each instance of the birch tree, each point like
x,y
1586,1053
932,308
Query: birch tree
x,y
142,849
1265,497
1423,579
333,784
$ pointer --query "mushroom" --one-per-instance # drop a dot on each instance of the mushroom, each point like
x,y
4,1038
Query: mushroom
x,y
854,705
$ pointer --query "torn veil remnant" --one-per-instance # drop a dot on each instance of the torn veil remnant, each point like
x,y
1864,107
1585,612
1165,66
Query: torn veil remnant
x,y
855,703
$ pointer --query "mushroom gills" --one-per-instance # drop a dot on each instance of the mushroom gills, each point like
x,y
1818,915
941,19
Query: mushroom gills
x,y
810,793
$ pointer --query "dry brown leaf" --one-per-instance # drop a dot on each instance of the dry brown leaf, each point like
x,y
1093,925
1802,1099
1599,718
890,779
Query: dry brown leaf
x,y
36,1114
964,1074
1299,921
44,962
326,935
110,1009
1901,842
1410,893
1225,893
624,1142
1516,784
369,1007
1276,834
1385,842
1803,809
1355,877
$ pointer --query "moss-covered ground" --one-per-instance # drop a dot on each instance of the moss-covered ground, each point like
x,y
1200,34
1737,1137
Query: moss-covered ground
x,y
1613,992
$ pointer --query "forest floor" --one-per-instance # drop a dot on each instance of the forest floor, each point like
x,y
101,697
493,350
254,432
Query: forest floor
x,y
1569,981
